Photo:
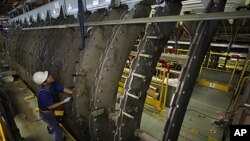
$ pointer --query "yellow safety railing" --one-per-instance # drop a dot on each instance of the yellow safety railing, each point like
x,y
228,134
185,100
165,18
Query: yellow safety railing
x,y
176,51
216,67
247,64
161,82
239,92
182,51
2,135
240,84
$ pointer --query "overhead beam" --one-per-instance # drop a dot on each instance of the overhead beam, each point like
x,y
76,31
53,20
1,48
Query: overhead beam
x,y
199,17
213,44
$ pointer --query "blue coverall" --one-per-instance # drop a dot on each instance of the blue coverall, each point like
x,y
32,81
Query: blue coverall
x,y
45,98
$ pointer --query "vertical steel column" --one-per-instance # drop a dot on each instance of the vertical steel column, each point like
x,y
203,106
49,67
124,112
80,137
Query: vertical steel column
x,y
81,21
197,52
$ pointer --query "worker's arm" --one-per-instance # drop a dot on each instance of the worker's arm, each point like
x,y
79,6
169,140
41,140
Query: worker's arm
x,y
56,105
68,91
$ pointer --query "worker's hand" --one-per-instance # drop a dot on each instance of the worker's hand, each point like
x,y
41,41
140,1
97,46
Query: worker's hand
x,y
66,100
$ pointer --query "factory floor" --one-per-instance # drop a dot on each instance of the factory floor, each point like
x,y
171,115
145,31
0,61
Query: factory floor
x,y
204,108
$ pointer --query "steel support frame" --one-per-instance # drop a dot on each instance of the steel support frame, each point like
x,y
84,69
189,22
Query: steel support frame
x,y
149,51
197,52
198,17
112,62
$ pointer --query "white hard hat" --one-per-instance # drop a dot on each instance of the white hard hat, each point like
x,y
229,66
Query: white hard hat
x,y
40,77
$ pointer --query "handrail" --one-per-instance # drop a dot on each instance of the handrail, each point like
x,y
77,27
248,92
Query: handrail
x,y
238,93
241,76
218,85
67,133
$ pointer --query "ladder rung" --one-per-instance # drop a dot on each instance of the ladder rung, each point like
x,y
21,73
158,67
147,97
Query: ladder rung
x,y
145,55
127,115
131,95
139,75
153,37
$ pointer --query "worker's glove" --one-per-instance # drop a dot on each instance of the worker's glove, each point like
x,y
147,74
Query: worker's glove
x,y
66,100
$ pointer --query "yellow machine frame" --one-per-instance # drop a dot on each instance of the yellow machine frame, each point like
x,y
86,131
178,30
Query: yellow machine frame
x,y
160,104
241,84
2,135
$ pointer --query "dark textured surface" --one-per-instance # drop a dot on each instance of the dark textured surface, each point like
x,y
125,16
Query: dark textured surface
x,y
89,62
109,72
144,66
58,51
7,116
55,50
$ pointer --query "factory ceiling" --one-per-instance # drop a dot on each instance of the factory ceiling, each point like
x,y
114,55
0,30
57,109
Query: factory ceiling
x,y
238,30
6,6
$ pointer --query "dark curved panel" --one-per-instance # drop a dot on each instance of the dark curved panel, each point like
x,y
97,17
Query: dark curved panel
x,y
104,92
143,67
55,50
89,62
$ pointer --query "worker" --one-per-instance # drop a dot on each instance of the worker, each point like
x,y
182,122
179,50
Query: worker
x,y
48,102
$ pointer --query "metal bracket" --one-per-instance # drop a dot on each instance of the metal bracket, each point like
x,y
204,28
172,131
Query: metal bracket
x,y
97,112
